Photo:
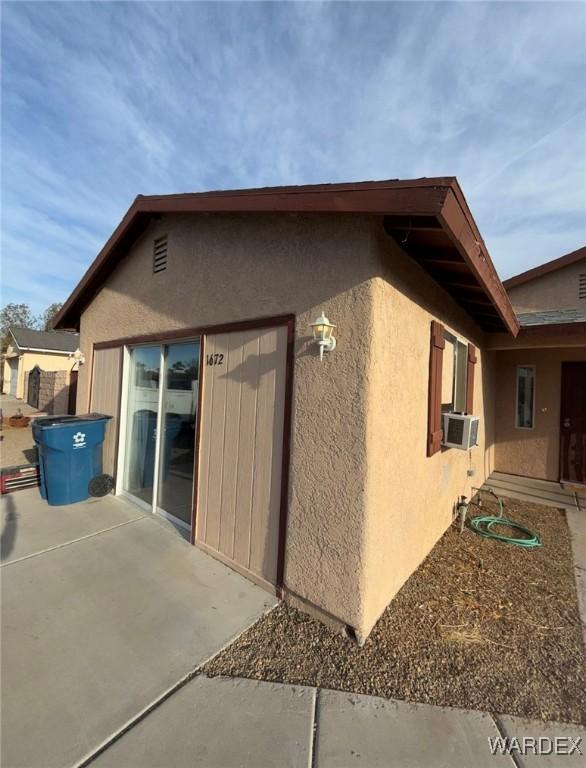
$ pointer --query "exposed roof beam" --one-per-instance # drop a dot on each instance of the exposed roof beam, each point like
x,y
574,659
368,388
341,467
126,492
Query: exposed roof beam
x,y
444,265
463,287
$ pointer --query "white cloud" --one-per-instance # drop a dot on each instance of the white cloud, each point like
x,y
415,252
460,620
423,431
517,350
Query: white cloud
x,y
103,101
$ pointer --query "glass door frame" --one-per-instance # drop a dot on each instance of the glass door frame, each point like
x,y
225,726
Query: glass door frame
x,y
123,428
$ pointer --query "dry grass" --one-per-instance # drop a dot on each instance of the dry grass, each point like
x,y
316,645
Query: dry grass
x,y
481,625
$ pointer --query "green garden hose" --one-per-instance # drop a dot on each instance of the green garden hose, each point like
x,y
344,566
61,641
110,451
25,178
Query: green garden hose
x,y
483,526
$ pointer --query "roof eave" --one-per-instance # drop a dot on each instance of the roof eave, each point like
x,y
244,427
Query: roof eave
x,y
364,197
566,328
440,198
459,223
544,269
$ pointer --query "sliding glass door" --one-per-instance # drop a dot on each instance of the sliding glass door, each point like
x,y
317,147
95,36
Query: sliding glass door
x,y
179,409
141,422
161,418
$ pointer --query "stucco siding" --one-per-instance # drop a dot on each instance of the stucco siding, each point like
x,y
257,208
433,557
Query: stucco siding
x,y
410,495
366,504
531,452
228,268
556,290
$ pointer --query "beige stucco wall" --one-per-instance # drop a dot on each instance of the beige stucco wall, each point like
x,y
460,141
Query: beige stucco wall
x,y
27,361
229,268
410,496
531,452
556,290
365,503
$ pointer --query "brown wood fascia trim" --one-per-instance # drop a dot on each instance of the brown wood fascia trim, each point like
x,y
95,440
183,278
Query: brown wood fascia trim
x,y
305,189
544,269
565,328
286,457
195,500
186,333
548,337
465,238
419,196
421,200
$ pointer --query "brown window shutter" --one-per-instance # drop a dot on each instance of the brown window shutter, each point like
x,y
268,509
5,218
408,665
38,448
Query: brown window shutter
x,y
436,355
470,379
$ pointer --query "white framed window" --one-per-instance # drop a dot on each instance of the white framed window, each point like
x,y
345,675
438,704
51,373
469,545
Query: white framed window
x,y
454,374
525,398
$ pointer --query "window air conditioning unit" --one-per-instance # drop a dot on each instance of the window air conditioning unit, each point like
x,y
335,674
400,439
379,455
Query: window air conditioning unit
x,y
460,431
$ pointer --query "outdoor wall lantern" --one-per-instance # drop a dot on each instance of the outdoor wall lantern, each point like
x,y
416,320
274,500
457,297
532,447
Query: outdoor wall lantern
x,y
78,357
322,335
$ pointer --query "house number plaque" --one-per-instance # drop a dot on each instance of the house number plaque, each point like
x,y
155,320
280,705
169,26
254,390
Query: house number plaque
x,y
216,358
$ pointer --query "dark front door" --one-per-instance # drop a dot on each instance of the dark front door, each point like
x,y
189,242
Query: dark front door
x,y
72,392
573,423
34,383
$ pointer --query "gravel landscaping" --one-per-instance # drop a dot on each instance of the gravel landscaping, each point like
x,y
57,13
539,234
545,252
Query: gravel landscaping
x,y
480,625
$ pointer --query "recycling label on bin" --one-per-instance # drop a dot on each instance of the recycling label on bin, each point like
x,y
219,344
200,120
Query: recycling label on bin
x,y
79,440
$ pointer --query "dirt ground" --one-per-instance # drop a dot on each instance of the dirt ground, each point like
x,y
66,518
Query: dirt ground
x,y
480,625
16,443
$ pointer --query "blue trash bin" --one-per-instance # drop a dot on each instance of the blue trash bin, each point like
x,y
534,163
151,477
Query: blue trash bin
x,y
70,455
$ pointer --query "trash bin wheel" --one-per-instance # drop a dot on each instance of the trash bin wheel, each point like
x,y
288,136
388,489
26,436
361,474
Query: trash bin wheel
x,y
100,485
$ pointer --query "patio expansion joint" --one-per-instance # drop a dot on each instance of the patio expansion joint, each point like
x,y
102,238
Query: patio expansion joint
x,y
73,541
197,671
314,725
114,737
500,726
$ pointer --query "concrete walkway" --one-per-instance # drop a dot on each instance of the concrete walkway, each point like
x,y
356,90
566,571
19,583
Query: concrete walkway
x,y
537,491
104,611
235,723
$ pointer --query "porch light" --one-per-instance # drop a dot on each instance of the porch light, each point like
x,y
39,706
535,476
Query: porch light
x,y
322,335
78,357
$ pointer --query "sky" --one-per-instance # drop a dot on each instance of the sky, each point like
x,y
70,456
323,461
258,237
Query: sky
x,y
104,101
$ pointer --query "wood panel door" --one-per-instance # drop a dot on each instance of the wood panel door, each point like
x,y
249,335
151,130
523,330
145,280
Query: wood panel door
x,y
573,423
241,449
105,398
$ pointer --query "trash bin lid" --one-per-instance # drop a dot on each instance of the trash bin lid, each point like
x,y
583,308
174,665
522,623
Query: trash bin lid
x,y
63,421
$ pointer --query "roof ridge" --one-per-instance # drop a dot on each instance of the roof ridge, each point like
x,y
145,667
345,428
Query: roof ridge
x,y
548,266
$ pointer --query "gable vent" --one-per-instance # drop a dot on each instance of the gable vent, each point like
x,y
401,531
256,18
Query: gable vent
x,y
160,254
582,286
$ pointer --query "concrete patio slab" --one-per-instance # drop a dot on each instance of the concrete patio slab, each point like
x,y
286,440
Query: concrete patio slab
x,y
31,526
368,732
221,723
516,727
95,631
529,489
